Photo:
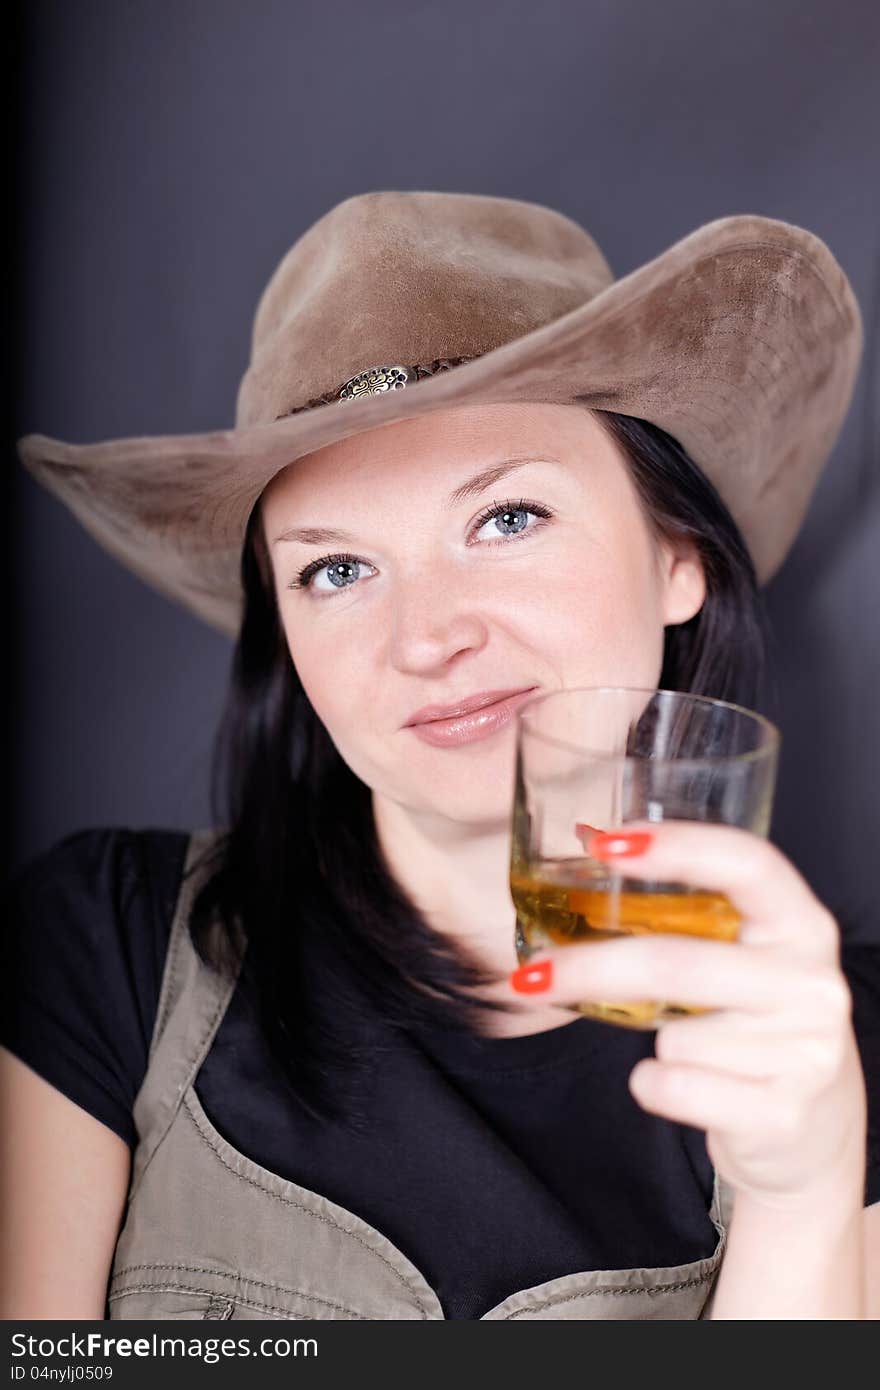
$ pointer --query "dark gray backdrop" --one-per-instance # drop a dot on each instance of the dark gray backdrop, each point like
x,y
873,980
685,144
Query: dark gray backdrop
x,y
169,153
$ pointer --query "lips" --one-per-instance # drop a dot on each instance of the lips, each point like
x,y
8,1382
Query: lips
x,y
472,726
429,713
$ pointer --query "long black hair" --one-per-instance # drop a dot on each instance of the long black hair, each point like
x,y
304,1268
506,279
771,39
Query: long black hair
x,y
332,940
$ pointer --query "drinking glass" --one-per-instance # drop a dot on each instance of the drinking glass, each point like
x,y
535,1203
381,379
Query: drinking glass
x,y
594,758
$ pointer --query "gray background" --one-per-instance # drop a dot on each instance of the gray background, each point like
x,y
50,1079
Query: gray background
x,y
170,153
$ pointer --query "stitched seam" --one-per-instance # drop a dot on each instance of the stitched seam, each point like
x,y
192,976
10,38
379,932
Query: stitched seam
x,y
218,1310
181,1090
210,1027
607,1289
236,1278
210,1293
190,879
171,977
573,1066
257,1283
290,1202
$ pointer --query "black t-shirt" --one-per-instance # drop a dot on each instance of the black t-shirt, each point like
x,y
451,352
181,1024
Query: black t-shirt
x,y
493,1164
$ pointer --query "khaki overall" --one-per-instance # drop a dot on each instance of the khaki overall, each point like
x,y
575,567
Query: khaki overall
x,y
210,1234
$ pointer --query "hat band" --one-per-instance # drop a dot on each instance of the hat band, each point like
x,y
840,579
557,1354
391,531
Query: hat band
x,y
373,381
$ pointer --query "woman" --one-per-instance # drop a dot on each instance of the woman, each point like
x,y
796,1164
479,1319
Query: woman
x,y
307,1034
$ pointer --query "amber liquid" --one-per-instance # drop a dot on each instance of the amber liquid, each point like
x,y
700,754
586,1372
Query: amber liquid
x,y
563,902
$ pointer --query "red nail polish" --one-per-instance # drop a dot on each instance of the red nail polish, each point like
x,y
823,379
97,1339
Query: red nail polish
x,y
619,844
532,978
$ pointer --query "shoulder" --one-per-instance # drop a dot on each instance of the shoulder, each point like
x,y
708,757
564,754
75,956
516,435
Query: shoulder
x,y
82,952
104,892
107,889
102,871
113,858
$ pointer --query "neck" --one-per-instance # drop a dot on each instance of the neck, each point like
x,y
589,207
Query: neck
x,y
456,874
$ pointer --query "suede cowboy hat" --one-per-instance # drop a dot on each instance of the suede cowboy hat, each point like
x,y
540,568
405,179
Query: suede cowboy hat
x,y
742,340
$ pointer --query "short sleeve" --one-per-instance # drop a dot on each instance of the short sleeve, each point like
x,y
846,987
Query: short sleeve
x,y
861,966
85,934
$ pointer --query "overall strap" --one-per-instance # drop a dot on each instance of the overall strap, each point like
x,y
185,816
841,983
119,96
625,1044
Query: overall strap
x,y
722,1204
720,1212
192,1001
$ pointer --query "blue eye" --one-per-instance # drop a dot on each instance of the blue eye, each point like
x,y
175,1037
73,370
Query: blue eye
x,y
344,569
333,564
507,512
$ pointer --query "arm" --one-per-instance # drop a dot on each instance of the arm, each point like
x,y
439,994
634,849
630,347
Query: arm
x,y
811,1260
772,1072
63,1186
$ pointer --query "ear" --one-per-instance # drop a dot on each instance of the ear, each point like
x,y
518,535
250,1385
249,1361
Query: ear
x,y
684,580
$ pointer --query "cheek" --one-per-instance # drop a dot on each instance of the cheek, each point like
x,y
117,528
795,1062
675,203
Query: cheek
x,y
598,623
332,686
336,690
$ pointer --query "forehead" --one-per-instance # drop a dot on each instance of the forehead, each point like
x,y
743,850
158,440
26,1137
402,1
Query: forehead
x,y
437,447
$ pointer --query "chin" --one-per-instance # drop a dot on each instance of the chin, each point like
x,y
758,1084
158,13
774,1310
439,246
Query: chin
x,y
489,807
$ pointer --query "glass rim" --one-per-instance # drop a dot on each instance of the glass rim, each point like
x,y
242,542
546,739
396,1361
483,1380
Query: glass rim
x,y
770,747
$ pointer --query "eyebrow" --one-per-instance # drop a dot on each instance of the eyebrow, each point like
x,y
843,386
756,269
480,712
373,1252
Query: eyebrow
x,y
486,478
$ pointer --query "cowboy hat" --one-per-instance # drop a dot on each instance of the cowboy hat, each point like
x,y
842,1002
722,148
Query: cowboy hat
x,y
742,340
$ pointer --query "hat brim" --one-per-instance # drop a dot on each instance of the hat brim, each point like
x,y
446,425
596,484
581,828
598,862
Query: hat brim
x,y
742,340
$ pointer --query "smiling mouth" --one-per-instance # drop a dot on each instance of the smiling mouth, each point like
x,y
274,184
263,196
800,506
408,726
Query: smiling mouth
x,y
474,725
436,713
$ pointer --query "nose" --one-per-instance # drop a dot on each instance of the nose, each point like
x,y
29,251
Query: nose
x,y
434,619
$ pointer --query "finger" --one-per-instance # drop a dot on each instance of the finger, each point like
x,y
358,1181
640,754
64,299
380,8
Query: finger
x,y
775,900
732,1042
684,970
704,1099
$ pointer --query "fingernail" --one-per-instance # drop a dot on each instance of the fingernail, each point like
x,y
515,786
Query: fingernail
x,y
582,830
624,844
532,978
